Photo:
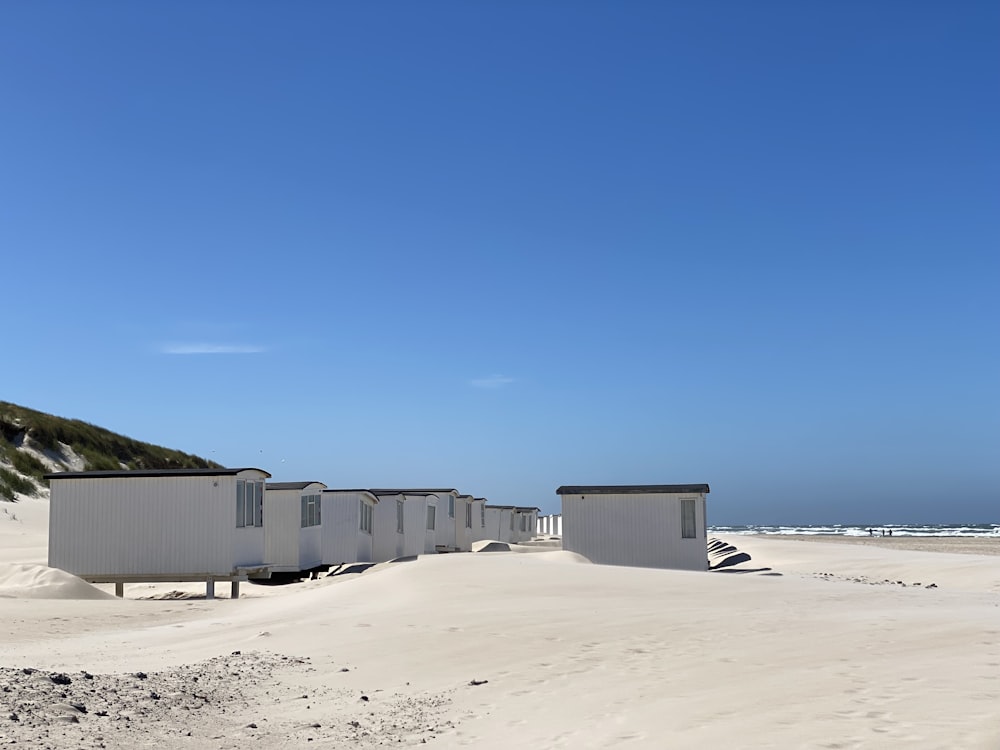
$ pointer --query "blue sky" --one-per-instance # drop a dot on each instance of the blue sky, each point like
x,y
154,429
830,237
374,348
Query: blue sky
x,y
508,246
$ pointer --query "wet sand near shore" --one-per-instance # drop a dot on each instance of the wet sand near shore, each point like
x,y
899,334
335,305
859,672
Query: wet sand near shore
x,y
951,545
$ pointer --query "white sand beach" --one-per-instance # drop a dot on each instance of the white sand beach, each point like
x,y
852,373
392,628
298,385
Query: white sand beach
x,y
498,649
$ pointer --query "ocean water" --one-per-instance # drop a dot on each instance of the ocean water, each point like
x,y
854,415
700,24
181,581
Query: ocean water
x,y
964,530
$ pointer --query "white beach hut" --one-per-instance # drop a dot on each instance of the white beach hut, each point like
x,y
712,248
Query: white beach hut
x,y
500,523
653,526
412,520
292,529
525,521
165,525
348,526
550,525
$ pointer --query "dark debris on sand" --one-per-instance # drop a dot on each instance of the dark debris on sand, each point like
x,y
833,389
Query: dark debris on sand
x,y
225,702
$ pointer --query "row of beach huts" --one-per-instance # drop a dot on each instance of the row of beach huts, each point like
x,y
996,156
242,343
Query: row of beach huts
x,y
233,524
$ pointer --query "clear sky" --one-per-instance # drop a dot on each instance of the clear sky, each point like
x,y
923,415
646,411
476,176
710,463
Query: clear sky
x,y
505,246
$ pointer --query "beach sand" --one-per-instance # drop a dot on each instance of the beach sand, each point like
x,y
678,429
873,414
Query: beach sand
x,y
504,649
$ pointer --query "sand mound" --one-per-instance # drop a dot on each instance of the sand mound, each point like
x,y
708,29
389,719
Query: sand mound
x,y
490,545
18,581
562,556
541,552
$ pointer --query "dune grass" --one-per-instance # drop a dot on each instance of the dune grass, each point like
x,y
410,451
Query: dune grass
x,y
101,449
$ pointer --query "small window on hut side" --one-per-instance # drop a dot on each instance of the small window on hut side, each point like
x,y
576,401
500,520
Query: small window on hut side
x,y
689,528
258,504
366,517
310,510
249,503
241,503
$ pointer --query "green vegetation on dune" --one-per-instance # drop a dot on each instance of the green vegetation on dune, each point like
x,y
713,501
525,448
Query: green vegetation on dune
x,y
27,464
101,449
11,483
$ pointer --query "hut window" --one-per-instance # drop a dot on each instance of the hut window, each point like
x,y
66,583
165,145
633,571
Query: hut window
x,y
241,503
366,517
399,516
431,513
468,515
451,507
249,503
310,510
482,515
688,527
512,520
258,503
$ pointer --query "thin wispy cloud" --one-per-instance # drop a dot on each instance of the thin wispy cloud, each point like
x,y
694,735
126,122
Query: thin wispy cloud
x,y
203,348
493,381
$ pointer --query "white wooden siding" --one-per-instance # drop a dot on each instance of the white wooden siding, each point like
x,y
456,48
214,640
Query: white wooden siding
x,y
498,524
463,535
282,522
387,543
641,530
343,540
414,524
524,525
288,546
174,525
478,527
445,533
430,535
310,547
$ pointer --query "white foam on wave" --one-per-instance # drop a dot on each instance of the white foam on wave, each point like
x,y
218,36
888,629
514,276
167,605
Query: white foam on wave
x,y
939,530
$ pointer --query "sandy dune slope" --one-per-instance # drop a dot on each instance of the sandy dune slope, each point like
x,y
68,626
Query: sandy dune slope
x,y
510,649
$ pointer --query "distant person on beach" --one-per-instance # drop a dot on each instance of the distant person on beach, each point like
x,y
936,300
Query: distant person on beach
x,y
890,532
871,532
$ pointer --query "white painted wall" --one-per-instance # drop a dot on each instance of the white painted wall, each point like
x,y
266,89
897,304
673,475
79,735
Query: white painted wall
x,y
498,524
463,533
414,524
550,525
516,534
310,547
287,546
430,535
387,543
445,534
281,529
343,540
641,530
524,525
171,525
478,521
